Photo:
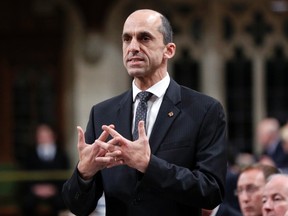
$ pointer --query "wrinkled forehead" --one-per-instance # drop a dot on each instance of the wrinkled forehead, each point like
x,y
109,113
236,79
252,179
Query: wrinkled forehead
x,y
278,185
142,20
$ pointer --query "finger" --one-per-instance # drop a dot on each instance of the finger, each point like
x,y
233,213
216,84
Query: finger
x,y
115,162
81,138
105,160
104,135
111,131
115,153
141,129
106,146
115,141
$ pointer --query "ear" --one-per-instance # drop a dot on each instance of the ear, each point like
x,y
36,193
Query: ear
x,y
170,50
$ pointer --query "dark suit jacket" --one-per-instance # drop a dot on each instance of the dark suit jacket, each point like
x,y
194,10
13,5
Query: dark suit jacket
x,y
187,168
279,156
35,163
29,199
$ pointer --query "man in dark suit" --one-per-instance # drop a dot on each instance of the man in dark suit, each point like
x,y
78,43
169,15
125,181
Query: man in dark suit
x,y
177,164
269,139
45,155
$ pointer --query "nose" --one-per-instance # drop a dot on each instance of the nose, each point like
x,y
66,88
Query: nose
x,y
244,197
134,45
267,206
244,194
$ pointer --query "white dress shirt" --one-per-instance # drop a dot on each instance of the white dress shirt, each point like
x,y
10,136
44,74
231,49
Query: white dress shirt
x,y
158,90
46,151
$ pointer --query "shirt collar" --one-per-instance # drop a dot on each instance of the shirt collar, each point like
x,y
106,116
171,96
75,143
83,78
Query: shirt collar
x,y
157,89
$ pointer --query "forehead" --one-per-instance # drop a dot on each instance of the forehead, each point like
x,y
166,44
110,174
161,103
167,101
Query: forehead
x,y
277,185
142,21
253,176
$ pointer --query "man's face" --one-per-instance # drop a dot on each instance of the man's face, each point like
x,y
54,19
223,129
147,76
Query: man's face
x,y
275,197
249,189
143,46
44,135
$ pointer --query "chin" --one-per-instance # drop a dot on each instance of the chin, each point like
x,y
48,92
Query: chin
x,y
136,73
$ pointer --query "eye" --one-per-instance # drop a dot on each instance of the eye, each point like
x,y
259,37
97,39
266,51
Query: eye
x,y
126,38
252,188
146,38
277,198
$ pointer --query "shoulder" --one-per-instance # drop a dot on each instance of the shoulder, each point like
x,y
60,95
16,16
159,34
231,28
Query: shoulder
x,y
190,97
116,100
192,101
183,93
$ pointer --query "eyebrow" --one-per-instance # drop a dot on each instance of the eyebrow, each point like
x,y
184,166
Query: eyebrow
x,y
141,34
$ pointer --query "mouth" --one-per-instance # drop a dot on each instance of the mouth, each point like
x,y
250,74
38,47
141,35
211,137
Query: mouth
x,y
248,209
135,62
135,59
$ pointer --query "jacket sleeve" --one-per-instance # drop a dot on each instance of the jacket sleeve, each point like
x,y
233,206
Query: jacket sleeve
x,y
81,199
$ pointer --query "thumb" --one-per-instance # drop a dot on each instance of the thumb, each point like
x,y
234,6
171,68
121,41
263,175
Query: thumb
x,y
81,138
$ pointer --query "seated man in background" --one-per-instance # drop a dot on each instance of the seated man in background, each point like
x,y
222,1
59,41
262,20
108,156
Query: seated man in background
x,y
271,143
45,156
275,196
250,184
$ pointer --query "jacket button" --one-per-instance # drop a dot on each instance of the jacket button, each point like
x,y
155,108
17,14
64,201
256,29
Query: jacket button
x,y
134,202
77,196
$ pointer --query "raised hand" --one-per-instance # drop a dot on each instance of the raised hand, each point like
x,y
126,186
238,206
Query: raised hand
x,y
88,166
135,154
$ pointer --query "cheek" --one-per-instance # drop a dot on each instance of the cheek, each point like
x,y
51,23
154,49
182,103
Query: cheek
x,y
124,49
156,58
257,195
242,200
124,56
280,209
124,52
257,199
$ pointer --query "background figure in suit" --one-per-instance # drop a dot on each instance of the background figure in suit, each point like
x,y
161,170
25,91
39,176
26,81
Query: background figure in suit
x,y
178,163
268,136
45,156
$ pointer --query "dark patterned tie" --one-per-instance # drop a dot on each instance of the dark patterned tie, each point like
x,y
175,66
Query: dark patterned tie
x,y
141,111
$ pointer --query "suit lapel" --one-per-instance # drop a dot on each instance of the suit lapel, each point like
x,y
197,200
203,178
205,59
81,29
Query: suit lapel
x,y
167,114
124,116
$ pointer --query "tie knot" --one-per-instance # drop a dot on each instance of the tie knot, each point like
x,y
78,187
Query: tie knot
x,y
144,96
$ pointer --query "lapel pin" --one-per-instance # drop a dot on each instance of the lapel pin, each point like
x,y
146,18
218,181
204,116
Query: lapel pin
x,y
170,114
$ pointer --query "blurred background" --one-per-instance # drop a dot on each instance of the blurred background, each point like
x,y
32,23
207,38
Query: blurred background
x,y
60,57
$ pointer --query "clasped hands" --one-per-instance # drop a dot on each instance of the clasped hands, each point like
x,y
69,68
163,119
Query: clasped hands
x,y
117,151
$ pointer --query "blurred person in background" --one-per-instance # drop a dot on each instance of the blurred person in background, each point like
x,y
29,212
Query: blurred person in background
x,y
45,155
250,186
275,196
241,159
284,136
268,137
